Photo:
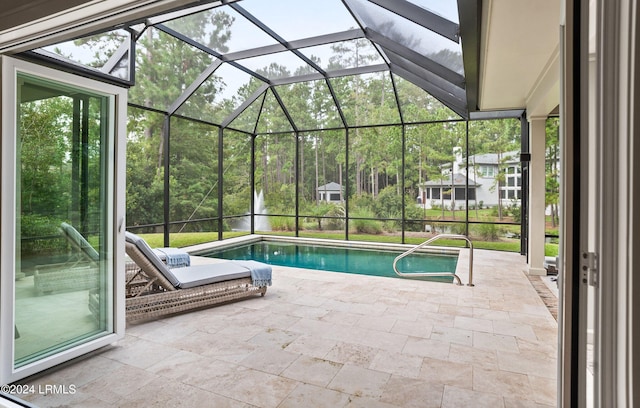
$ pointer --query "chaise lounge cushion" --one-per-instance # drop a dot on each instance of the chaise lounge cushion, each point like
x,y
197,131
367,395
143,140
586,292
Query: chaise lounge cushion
x,y
152,257
199,275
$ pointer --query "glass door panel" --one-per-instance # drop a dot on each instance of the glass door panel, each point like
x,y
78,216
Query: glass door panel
x,y
62,186
62,191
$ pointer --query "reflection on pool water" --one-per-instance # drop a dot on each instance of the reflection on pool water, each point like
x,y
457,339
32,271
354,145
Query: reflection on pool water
x,y
362,261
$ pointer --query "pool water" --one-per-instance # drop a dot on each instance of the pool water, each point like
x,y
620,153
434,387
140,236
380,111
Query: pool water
x,y
341,259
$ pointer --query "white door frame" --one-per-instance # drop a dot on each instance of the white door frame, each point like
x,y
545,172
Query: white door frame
x,y
10,67
617,125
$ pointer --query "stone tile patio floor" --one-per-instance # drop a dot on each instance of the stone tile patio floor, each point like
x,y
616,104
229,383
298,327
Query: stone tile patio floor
x,y
324,339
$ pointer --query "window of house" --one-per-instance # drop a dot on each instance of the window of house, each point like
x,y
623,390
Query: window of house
x,y
435,193
487,171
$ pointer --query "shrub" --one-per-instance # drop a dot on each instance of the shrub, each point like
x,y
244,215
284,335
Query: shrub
x,y
282,223
41,232
365,226
319,210
514,210
391,226
487,232
334,223
413,212
388,203
458,229
361,201
310,225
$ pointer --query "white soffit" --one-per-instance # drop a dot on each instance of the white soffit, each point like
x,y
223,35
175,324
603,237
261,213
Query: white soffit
x,y
73,22
519,44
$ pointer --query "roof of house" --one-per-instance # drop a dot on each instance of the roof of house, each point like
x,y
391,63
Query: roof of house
x,y
492,158
458,180
330,187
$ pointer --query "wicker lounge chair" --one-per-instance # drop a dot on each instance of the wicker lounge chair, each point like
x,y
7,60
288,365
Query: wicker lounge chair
x,y
154,290
84,250
80,272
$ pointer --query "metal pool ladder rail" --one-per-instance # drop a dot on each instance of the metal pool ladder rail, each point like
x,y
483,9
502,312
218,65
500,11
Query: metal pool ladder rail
x,y
427,242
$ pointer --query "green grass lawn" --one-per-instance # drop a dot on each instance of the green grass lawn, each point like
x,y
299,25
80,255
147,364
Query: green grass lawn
x,y
486,214
192,238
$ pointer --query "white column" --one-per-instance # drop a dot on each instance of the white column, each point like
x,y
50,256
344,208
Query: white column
x,y
537,189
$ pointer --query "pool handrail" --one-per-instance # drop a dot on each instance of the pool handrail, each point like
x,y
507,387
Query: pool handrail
x,y
430,274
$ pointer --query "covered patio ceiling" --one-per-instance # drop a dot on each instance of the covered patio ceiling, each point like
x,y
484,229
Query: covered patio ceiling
x,y
471,55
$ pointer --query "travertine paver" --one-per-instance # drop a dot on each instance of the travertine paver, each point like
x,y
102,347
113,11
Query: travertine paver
x,y
327,339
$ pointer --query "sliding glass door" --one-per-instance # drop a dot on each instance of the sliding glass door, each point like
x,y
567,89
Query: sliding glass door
x,y
60,210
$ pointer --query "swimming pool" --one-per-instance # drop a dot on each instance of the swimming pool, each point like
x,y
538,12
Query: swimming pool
x,y
376,262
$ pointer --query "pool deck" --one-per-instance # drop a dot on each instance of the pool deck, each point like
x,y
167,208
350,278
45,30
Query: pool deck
x,y
324,339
